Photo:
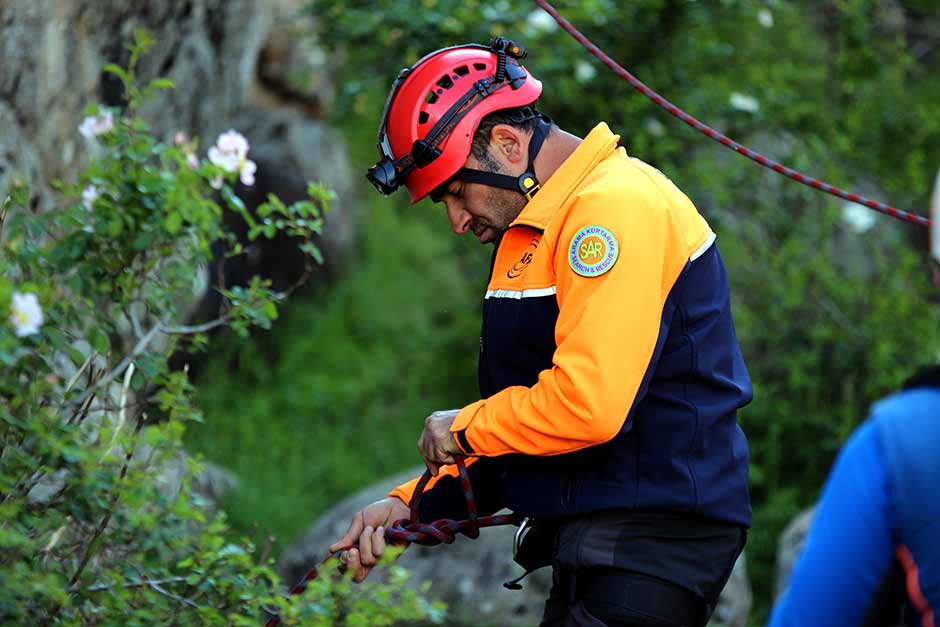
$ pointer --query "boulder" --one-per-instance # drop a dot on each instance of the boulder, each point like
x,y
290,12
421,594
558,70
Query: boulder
x,y
235,63
734,605
468,574
791,544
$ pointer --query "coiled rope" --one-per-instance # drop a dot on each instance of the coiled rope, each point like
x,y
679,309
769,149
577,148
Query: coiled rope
x,y
724,140
441,531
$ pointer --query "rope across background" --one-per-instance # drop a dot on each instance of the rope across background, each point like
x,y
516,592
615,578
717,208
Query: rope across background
x,y
724,140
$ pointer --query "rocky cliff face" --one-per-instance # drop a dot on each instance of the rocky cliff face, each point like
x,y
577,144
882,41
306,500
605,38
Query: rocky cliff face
x,y
245,64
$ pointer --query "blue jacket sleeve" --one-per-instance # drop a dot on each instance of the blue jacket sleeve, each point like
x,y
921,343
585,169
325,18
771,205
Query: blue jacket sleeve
x,y
849,548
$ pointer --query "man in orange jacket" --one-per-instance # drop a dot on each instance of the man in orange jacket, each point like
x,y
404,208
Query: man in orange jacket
x,y
610,373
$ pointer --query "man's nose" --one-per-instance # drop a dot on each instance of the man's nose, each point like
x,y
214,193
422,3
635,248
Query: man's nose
x,y
460,218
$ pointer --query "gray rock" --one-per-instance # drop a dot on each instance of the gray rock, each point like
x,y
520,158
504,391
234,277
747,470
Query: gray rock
x,y
468,574
791,544
230,60
734,605
209,485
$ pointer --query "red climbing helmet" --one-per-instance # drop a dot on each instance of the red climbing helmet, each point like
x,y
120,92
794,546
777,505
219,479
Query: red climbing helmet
x,y
434,109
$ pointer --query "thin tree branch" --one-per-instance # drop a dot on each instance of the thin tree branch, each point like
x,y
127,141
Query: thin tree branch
x,y
192,330
155,586
140,347
113,502
125,584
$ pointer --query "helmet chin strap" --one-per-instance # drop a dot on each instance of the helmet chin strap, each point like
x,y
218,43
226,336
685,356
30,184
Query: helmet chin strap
x,y
526,183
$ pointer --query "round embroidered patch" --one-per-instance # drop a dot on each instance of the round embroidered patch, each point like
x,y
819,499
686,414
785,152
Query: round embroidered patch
x,y
593,251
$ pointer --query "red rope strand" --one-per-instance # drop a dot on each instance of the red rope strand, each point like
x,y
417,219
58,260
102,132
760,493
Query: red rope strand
x,y
724,140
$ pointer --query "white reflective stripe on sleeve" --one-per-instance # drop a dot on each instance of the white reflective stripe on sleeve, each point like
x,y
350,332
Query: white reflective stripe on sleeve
x,y
544,291
701,251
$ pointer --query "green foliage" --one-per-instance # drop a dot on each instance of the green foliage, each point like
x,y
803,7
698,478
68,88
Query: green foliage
x,y
348,374
829,319
91,530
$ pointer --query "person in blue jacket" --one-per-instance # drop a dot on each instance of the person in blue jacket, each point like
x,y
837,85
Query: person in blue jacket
x,y
872,556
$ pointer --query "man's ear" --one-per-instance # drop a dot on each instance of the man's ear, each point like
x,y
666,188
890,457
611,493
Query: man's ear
x,y
509,142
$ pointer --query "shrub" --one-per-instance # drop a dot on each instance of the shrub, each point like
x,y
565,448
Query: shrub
x,y
92,303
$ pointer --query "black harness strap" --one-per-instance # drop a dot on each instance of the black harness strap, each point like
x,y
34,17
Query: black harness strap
x,y
526,183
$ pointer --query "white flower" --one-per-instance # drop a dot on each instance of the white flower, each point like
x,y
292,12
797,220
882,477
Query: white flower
x,y
857,217
180,138
192,160
89,195
247,173
584,71
654,127
539,21
95,125
26,315
216,182
766,18
231,154
744,103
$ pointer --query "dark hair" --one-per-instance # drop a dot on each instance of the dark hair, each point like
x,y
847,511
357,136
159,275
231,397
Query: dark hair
x,y
522,118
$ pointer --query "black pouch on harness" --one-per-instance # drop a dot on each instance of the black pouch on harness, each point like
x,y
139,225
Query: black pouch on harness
x,y
533,547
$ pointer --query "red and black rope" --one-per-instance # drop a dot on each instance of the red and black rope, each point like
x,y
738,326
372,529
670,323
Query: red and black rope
x,y
724,140
441,531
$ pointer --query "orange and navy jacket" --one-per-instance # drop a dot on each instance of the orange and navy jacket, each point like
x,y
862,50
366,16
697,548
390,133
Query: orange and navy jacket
x,y
610,372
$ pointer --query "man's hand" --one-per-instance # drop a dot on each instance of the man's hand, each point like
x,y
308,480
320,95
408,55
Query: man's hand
x,y
364,541
437,443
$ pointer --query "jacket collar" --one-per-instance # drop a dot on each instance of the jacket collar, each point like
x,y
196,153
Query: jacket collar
x,y
597,146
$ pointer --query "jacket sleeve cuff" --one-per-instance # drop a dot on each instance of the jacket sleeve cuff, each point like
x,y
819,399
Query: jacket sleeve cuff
x,y
460,428
405,491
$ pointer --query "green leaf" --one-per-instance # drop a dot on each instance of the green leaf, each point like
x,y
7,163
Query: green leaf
x,y
173,222
270,310
99,341
233,200
56,338
117,70
163,83
19,192
115,226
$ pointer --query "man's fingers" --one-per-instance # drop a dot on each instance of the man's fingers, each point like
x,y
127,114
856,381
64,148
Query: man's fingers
x,y
426,446
351,535
378,541
354,562
365,547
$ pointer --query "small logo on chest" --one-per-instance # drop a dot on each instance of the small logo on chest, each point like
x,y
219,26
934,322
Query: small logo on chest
x,y
593,251
519,267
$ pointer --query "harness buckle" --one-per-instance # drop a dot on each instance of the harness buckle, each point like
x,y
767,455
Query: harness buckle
x,y
524,528
528,184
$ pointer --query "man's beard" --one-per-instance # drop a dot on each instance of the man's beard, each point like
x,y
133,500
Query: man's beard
x,y
505,204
